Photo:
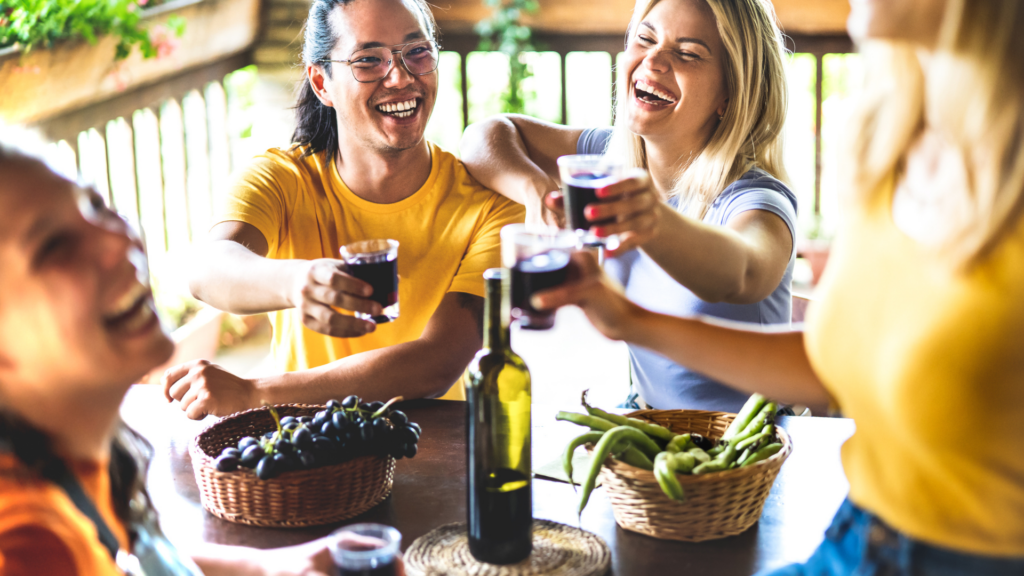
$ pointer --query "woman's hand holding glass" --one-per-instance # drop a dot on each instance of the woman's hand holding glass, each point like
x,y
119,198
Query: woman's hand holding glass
x,y
598,296
631,205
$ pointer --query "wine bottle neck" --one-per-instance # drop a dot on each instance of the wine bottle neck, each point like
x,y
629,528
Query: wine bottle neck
x,y
496,324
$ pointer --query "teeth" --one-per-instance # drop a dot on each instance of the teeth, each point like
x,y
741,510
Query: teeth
x,y
397,108
645,87
139,319
125,302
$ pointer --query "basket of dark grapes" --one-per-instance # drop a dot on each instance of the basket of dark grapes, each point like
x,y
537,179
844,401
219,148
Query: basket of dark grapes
x,y
296,465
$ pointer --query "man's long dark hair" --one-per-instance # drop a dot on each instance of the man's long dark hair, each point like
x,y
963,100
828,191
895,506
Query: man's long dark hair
x,y
316,126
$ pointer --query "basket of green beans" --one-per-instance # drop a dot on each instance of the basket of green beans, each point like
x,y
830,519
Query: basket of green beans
x,y
689,475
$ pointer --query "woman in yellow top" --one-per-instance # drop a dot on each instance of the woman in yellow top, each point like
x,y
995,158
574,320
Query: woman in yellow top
x,y
77,328
919,331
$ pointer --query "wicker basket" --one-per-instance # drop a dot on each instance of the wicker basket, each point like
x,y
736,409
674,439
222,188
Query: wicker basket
x,y
293,499
717,505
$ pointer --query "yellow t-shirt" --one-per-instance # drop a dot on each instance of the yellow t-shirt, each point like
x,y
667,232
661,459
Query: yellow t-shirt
x,y
929,362
447,233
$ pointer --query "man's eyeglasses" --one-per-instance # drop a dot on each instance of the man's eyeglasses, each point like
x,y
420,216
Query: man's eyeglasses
x,y
374,64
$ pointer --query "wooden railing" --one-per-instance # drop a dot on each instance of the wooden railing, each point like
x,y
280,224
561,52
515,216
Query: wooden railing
x,y
158,153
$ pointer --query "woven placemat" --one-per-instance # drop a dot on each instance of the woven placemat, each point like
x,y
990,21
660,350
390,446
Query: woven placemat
x,y
557,549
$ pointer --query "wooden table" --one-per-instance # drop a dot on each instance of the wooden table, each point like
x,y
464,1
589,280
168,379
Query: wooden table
x,y
429,490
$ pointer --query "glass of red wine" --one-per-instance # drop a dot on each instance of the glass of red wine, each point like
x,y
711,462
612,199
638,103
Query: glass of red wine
x,y
582,175
376,263
538,257
365,550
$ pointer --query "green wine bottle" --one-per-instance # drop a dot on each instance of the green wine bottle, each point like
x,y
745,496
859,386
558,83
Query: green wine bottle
x,y
500,503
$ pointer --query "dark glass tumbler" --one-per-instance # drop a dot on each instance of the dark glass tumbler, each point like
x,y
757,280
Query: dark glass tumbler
x,y
365,550
376,263
538,258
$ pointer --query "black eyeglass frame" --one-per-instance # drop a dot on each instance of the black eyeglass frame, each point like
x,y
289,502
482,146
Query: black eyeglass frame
x,y
394,49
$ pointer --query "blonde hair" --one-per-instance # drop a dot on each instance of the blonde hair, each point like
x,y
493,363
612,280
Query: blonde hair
x,y
750,133
972,97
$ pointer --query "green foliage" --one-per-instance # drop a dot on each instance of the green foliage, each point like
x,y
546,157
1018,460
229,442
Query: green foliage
x,y
32,23
240,87
505,32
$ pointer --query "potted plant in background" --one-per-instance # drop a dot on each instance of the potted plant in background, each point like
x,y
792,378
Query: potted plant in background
x,y
815,248
505,32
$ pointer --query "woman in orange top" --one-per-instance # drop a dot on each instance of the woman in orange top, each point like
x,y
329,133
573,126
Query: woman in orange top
x,y
918,334
77,328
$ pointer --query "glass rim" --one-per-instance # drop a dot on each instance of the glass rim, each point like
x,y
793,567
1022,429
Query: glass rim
x,y
605,159
543,230
391,537
354,249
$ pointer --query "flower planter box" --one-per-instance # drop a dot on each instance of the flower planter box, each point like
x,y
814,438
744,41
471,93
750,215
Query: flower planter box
x,y
46,82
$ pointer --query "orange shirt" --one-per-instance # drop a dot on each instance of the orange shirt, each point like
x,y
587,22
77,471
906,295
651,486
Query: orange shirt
x,y
43,532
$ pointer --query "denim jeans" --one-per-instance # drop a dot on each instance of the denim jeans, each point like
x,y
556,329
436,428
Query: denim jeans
x,y
859,544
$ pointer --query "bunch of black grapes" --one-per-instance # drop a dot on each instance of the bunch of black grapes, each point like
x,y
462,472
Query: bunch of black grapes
x,y
343,431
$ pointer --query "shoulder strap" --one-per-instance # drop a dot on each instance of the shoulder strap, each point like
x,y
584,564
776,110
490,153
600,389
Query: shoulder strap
x,y
67,481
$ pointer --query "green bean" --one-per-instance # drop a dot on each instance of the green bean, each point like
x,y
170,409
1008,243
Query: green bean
x,y
750,409
588,438
666,477
648,428
766,432
585,420
715,451
699,455
636,458
604,446
683,462
721,462
764,417
680,443
762,454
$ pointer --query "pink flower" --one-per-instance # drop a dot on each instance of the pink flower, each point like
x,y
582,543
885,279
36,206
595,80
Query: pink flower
x,y
143,2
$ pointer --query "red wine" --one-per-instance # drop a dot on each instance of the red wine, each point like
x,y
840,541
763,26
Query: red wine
x,y
578,193
534,274
502,532
383,278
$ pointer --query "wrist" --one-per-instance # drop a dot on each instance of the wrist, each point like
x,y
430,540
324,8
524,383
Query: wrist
x,y
264,389
296,276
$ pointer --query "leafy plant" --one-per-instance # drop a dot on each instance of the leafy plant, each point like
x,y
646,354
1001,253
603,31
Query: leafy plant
x,y
505,32
32,23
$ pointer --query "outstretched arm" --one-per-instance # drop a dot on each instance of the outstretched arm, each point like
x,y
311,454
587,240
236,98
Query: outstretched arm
x,y
423,368
515,156
232,273
772,363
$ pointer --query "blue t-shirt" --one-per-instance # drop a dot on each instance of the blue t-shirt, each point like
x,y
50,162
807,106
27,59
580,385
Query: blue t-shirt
x,y
662,383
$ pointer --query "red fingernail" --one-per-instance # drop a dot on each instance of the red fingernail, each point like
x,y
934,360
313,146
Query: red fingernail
x,y
601,192
590,212
598,231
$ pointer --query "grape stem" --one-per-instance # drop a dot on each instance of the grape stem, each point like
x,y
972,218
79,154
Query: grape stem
x,y
385,407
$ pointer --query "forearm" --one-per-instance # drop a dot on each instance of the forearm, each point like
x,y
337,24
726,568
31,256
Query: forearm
x,y
716,263
495,154
417,369
772,363
229,277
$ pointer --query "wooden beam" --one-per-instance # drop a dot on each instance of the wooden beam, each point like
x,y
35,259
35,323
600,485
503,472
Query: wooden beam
x,y
612,16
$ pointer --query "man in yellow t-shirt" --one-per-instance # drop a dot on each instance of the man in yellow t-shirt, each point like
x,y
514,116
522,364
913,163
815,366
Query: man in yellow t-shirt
x,y
360,170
